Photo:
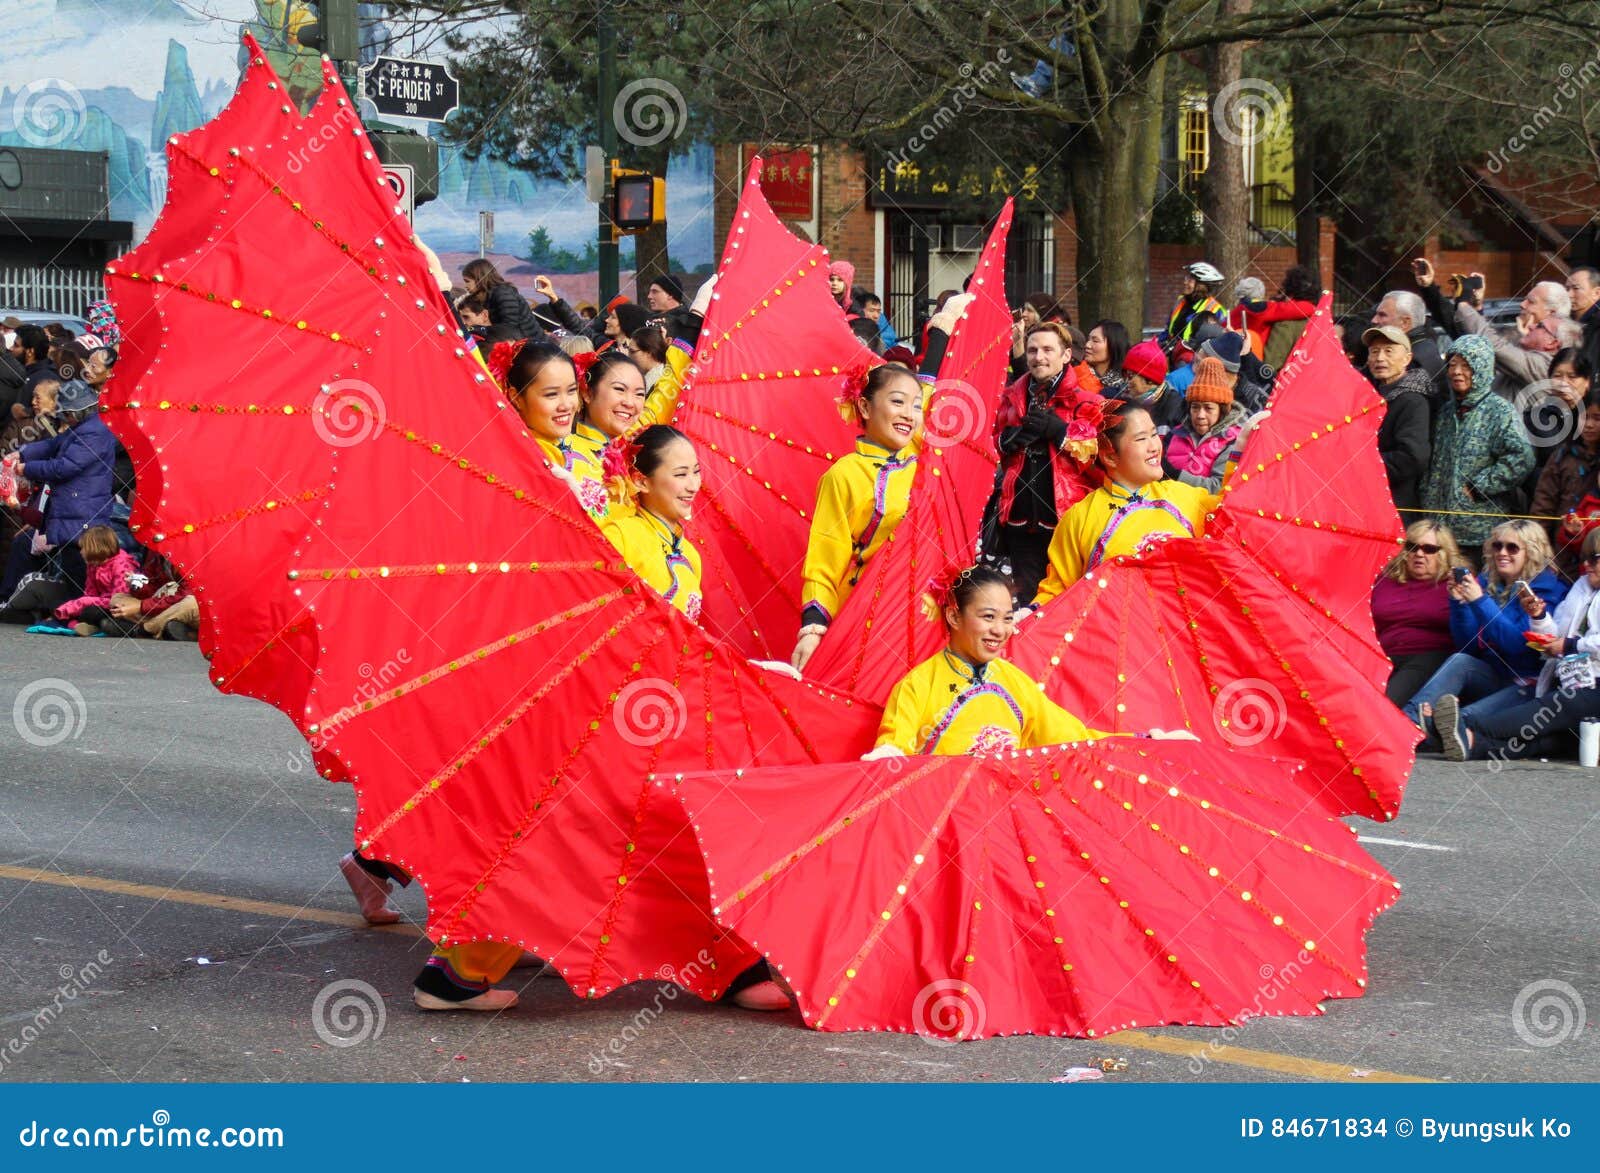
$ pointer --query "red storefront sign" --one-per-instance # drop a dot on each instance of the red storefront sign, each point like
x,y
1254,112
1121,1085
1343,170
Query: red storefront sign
x,y
786,182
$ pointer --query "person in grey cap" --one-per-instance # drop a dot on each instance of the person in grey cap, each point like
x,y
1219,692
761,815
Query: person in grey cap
x,y
1405,436
1252,378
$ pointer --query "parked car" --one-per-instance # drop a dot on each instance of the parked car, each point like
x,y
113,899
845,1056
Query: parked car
x,y
1501,313
44,318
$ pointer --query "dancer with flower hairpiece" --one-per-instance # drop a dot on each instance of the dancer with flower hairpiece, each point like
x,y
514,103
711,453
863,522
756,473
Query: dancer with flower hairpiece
x,y
541,382
862,498
654,479
966,699
1135,505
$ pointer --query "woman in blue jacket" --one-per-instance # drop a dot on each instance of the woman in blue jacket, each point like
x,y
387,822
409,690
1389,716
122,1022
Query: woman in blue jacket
x,y
1493,667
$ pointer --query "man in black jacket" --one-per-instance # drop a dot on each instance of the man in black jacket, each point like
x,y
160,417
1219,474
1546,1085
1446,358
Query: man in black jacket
x,y
1583,286
1405,436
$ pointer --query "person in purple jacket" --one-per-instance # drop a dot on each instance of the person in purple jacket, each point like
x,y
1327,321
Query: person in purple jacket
x,y
1493,667
77,465
1411,607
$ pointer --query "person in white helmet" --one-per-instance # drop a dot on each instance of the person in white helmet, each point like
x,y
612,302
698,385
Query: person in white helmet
x,y
1199,279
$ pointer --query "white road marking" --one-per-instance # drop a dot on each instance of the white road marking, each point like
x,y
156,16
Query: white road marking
x,y
1401,843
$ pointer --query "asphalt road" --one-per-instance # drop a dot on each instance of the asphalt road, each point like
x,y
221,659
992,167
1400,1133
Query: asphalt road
x,y
191,911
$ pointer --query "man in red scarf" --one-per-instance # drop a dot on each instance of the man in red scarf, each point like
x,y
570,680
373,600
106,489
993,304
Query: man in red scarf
x,y
1046,430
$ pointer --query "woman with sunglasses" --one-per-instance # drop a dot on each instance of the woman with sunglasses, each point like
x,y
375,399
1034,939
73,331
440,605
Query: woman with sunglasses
x,y
1493,667
1411,607
1542,726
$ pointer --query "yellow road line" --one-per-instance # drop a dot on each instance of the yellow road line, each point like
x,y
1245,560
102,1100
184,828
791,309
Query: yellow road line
x,y
1260,1060
289,912
1272,1061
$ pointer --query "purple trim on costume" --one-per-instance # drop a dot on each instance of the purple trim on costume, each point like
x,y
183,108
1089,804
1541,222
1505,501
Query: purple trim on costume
x,y
674,559
961,701
1133,506
880,506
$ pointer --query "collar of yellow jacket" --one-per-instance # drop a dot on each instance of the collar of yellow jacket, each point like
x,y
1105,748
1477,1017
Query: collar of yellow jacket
x,y
875,451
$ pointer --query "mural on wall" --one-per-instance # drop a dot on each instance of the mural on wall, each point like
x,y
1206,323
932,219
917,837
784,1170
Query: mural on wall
x,y
82,75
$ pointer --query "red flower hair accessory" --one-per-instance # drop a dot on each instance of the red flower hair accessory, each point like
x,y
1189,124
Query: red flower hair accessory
x,y
501,356
940,591
582,363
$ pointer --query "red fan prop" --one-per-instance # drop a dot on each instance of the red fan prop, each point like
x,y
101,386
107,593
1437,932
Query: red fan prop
x,y
759,402
379,551
881,634
1258,635
1073,891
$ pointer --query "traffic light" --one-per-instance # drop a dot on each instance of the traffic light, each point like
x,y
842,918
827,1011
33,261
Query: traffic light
x,y
638,200
333,29
407,147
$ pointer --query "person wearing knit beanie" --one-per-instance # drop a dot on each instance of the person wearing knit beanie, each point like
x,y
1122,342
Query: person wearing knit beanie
x,y
630,317
665,293
1228,348
1145,361
1144,368
1211,382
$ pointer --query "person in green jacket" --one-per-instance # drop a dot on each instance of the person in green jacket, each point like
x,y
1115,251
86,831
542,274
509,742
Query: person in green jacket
x,y
1480,452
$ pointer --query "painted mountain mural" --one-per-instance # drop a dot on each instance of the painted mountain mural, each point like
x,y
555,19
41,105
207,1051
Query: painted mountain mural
x,y
176,65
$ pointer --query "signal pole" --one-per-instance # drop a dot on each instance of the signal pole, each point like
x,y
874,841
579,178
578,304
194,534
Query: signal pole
x,y
606,32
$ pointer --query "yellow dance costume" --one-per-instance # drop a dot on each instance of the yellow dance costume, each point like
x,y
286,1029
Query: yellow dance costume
x,y
659,554
1111,521
580,456
947,706
860,501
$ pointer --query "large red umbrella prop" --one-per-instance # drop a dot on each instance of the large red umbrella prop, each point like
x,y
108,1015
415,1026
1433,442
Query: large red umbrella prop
x,y
759,402
881,634
379,551
1258,635
1078,890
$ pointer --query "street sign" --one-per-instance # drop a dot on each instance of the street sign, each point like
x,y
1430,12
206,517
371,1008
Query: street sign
x,y
402,88
403,180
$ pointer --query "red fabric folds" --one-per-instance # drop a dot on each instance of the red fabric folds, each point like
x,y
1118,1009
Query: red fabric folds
x,y
378,550
759,402
881,633
1258,635
1073,891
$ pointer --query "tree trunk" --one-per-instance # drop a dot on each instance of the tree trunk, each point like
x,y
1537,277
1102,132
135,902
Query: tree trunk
x,y
1113,187
650,257
1225,200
